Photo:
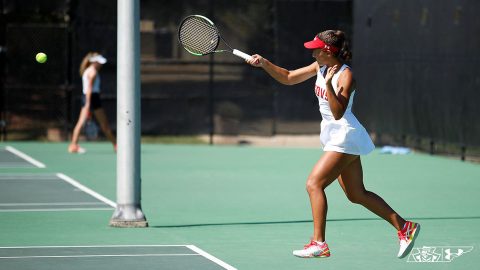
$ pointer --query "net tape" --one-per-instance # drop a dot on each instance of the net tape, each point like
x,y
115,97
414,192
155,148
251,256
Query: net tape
x,y
198,36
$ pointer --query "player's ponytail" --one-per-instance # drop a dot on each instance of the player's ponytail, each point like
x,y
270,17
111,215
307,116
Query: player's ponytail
x,y
337,39
345,54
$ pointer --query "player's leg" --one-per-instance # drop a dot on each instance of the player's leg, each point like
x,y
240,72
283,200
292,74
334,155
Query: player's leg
x,y
73,147
351,181
325,171
103,121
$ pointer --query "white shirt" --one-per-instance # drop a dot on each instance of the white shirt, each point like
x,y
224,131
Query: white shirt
x,y
345,135
85,81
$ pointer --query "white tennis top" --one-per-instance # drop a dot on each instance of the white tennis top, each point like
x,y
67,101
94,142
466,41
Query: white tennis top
x,y
345,135
96,83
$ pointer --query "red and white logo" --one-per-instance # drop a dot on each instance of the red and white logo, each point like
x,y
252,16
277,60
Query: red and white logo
x,y
320,92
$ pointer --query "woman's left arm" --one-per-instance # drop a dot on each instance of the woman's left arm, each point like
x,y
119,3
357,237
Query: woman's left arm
x,y
339,101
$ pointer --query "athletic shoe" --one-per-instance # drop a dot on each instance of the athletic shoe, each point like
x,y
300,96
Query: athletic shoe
x,y
313,250
75,148
407,236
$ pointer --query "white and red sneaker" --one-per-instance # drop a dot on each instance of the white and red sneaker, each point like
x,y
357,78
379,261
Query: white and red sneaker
x,y
407,236
313,250
75,148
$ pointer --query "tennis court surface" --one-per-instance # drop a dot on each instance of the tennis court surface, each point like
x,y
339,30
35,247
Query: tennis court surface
x,y
110,257
227,207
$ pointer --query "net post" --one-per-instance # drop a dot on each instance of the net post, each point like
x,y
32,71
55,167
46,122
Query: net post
x,y
128,212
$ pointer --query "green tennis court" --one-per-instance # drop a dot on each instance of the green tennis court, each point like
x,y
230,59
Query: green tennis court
x,y
227,207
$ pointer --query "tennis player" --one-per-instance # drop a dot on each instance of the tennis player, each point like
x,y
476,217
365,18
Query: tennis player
x,y
342,137
89,71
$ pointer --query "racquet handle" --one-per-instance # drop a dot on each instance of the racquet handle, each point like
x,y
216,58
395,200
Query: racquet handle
x,y
242,54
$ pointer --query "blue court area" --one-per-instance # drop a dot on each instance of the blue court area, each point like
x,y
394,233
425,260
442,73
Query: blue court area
x,y
44,192
12,158
109,257
229,207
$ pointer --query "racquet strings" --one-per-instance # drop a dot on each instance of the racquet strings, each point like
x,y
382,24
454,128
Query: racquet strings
x,y
198,36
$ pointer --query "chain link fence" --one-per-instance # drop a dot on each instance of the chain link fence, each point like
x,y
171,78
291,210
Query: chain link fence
x,y
414,64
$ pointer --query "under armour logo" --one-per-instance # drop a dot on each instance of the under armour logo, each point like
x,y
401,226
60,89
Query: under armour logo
x,y
449,255
438,254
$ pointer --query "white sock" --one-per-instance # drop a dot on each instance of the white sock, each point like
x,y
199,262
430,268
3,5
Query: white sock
x,y
320,243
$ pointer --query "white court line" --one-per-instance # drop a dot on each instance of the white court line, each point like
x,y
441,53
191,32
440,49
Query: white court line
x,y
53,178
191,247
57,203
29,176
86,189
103,255
211,257
25,156
99,246
12,163
55,209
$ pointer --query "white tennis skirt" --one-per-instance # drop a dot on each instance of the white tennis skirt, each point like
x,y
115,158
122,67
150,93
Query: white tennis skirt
x,y
345,135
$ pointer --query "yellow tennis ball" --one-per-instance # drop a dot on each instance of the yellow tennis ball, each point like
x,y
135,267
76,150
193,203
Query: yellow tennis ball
x,y
41,57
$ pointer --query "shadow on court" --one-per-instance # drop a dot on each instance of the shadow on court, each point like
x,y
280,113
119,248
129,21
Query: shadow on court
x,y
302,221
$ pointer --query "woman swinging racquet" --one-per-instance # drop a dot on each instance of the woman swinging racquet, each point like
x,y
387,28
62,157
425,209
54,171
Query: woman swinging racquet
x,y
342,137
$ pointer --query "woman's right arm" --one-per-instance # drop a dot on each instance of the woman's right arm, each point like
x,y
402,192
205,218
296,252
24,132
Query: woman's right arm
x,y
282,75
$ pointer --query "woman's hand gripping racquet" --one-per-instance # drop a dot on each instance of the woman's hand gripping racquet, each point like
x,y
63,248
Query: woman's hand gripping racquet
x,y
199,36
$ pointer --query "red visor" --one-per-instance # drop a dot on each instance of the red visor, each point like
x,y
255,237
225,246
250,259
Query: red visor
x,y
317,43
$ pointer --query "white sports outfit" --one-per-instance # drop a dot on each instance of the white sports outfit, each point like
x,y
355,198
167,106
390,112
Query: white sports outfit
x,y
345,135
96,83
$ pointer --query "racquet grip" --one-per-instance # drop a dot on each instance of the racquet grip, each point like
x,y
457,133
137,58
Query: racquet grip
x,y
242,54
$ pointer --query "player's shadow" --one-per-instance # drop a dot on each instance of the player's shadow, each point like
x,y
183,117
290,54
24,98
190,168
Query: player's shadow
x,y
301,221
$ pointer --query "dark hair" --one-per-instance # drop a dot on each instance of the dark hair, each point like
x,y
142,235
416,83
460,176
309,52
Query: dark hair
x,y
337,39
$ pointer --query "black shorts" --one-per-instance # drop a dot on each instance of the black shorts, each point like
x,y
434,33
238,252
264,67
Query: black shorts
x,y
95,102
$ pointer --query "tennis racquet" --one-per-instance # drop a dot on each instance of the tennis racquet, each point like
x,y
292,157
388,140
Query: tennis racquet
x,y
199,36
